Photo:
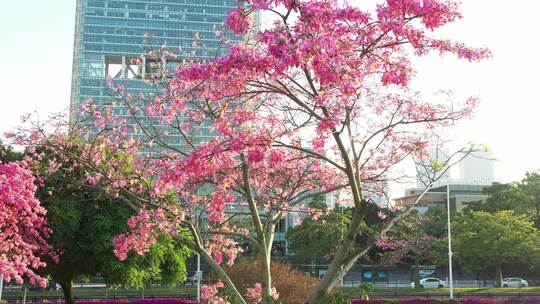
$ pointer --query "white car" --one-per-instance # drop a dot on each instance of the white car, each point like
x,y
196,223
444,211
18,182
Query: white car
x,y
431,283
514,282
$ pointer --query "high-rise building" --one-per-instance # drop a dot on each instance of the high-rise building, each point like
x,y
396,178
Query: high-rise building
x,y
477,169
109,34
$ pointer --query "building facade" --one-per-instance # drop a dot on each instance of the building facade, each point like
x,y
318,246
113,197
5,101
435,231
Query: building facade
x,y
460,196
477,169
111,34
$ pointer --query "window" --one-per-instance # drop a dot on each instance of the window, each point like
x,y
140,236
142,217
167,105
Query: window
x,y
137,15
96,3
115,14
139,6
116,5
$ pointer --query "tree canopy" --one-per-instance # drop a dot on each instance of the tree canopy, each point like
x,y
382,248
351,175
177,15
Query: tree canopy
x,y
521,197
84,221
481,239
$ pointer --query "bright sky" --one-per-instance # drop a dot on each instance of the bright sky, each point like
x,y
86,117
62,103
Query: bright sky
x,y
36,43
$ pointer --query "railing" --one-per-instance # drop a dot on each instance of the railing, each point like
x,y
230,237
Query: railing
x,y
407,283
41,299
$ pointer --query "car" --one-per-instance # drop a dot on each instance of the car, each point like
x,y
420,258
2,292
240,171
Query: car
x,y
514,282
51,285
430,283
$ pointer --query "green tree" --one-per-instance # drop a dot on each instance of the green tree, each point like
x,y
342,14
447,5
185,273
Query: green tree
x,y
7,154
482,240
522,197
84,220
311,241
530,190
314,241
501,197
410,242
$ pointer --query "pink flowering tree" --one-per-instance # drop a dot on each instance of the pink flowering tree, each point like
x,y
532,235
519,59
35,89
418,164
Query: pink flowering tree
x,y
174,191
336,78
23,226
409,243
318,102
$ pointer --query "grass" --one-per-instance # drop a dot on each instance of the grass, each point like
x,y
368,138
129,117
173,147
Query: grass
x,y
101,292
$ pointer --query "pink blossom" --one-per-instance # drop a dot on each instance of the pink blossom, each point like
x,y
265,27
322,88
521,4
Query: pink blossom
x,y
238,21
23,225
254,294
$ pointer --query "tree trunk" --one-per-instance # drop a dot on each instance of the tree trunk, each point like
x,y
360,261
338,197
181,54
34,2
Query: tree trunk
x,y
498,275
333,273
267,263
67,289
330,278
416,275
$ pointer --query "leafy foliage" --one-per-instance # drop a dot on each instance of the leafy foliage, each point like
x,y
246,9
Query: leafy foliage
x,y
521,197
7,154
500,197
314,239
481,239
84,220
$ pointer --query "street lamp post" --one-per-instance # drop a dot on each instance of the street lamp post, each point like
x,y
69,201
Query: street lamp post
x,y
1,286
451,284
199,277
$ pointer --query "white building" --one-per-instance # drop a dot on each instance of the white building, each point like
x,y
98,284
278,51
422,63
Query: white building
x,y
477,169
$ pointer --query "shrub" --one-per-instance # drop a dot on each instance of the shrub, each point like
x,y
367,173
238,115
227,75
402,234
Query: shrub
x,y
293,286
338,297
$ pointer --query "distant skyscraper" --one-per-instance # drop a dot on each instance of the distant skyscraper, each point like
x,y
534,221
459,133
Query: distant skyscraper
x,y
110,33
477,169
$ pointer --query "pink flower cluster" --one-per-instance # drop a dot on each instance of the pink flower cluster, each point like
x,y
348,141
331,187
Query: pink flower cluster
x,y
23,226
222,248
238,21
145,228
255,294
209,293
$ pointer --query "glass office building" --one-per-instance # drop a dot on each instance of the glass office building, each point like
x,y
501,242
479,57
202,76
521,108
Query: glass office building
x,y
110,33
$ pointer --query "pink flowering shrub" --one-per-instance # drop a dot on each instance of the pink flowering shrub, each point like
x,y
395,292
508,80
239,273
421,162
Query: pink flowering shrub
x,y
23,226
